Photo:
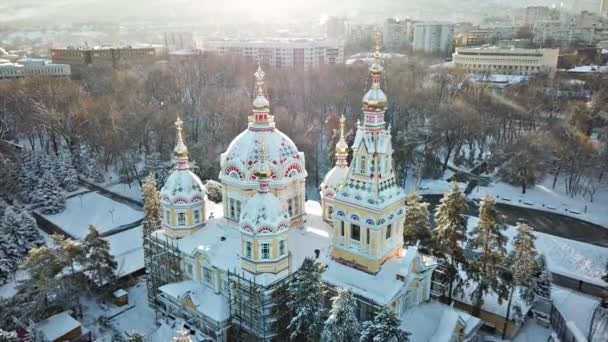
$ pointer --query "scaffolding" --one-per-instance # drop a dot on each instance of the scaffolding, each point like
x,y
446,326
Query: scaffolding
x,y
162,263
258,312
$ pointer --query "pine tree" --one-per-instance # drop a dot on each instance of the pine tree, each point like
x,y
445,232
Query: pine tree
x,y
29,231
306,300
69,180
544,278
522,261
8,263
488,241
10,229
49,196
450,233
385,327
152,208
417,227
342,324
68,251
97,262
27,177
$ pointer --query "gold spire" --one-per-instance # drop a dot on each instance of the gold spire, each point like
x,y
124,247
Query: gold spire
x,y
180,148
376,68
341,146
378,41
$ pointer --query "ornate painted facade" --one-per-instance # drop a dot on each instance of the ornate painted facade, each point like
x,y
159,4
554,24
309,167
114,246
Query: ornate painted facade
x,y
183,194
238,164
264,224
369,205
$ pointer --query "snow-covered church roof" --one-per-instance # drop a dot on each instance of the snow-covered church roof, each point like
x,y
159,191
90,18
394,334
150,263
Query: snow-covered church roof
x,y
239,162
263,213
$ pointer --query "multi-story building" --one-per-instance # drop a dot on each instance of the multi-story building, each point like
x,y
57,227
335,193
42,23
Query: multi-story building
x,y
480,36
506,61
534,14
604,8
397,33
114,57
279,53
567,33
434,37
26,67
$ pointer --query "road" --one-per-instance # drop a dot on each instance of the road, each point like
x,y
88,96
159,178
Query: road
x,y
542,221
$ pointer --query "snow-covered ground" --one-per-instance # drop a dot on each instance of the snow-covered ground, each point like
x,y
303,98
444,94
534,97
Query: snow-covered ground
x,y
542,196
533,332
93,209
568,257
136,317
132,191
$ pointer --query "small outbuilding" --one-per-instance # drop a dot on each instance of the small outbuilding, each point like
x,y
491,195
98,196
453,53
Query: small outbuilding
x,y
121,297
61,327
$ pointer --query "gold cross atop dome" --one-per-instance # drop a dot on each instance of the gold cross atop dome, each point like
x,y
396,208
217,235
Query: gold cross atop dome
x,y
259,77
341,146
180,148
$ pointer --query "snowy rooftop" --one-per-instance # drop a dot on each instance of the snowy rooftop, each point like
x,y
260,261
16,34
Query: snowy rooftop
x,y
57,326
435,322
316,234
214,305
93,209
127,249
590,69
574,306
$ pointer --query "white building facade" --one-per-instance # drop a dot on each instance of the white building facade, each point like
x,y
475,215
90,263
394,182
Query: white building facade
x,y
506,61
279,53
434,37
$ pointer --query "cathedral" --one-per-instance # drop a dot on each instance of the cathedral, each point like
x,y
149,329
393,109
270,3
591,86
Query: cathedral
x,y
225,276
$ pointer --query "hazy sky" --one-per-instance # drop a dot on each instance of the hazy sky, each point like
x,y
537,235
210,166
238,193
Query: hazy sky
x,y
112,10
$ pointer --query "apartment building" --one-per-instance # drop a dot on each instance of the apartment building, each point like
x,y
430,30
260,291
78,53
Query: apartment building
x,y
506,61
282,52
27,67
397,33
434,37
108,56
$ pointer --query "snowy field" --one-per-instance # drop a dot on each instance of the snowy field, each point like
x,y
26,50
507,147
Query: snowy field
x,y
571,258
543,197
93,209
127,248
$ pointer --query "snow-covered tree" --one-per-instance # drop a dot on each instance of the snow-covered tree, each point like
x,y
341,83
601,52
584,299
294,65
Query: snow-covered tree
x,y
27,177
605,276
385,327
157,167
306,300
544,278
152,208
68,251
417,226
8,336
214,190
97,262
488,242
69,176
522,261
19,231
8,263
342,324
450,233
49,195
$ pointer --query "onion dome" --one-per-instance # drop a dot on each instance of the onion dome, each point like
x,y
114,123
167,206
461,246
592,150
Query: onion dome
x,y
182,187
238,164
263,213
